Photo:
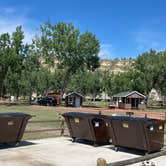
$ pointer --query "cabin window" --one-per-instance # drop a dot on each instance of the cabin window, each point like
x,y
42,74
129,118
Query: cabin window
x,y
70,99
142,101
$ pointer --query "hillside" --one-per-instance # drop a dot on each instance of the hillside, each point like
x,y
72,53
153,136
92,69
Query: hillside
x,y
116,65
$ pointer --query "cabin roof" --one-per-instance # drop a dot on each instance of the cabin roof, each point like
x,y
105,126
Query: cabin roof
x,y
128,93
74,93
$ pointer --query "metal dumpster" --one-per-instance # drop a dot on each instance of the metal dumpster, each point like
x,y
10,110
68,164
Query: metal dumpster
x,y
91,127
12,126
138,133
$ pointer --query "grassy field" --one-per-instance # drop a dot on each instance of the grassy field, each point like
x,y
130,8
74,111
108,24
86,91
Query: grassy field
x,y
43,113
97,104
156,109
39,114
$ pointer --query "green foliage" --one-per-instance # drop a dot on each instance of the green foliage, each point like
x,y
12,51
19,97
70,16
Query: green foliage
x,y
119,83
70,62
86,82
73,51
11,56
149,71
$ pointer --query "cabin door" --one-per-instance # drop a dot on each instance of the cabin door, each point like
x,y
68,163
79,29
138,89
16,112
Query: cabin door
x,y
134,103
77,102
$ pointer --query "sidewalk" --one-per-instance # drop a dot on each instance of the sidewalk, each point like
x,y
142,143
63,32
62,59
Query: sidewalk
x,y
62,152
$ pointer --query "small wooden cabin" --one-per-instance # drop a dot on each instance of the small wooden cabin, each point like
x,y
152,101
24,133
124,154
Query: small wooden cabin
x,y
56,95
74,99
130,100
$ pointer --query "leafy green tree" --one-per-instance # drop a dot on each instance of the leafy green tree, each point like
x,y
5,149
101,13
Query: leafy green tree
x,y
44,81
12,55
106,82
148,70
73,51
86,82
5,58
29,75
161,80
57,80
119,82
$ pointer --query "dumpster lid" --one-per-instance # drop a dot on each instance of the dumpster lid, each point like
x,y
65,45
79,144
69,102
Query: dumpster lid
x,y
16,114
132,118
80,114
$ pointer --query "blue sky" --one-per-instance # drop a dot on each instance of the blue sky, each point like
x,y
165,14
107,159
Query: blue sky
x,y
125,28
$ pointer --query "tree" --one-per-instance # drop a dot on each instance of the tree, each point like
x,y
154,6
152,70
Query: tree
x,y
119,82
30,73
12,55
45,81
73,51
106,82
86,82
161,81
5,58
148,69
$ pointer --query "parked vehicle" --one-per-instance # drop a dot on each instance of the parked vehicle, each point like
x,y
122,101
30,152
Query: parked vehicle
x,y
47,101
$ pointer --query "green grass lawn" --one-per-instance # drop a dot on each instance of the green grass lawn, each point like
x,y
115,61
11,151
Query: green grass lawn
x,y
156,109
97,104
38,114
43,114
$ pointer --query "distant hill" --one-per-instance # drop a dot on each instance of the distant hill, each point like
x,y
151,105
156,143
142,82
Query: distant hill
x,y
116,65
113,65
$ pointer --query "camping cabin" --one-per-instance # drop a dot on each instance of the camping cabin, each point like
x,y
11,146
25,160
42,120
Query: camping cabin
x,y
129,100
74,99
55,95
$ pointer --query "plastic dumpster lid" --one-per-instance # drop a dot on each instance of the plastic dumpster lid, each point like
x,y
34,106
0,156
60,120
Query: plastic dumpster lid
x,y
132,118
80,114
14,114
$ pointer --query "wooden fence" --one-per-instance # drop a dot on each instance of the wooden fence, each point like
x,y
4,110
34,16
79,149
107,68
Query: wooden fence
x,y
61,127
102,162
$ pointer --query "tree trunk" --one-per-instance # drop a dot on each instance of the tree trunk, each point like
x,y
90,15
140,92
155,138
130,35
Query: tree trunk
x,y
65,82
30,97
1,88
17,95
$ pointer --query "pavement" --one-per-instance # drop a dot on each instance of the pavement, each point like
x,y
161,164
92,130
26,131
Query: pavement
x,y
61,151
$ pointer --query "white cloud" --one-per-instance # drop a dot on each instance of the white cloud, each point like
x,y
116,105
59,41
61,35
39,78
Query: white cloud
x,y
10,18
106,51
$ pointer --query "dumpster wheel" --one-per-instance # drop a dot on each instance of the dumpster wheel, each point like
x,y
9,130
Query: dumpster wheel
x,y
95,144
16,144
116,148
73,139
